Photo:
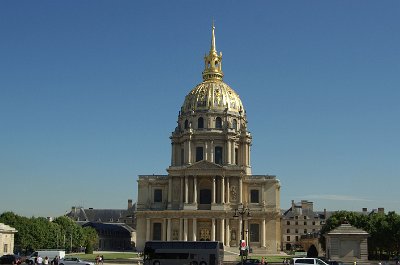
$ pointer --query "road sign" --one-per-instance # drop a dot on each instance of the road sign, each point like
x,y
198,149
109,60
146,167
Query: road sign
x,y
243,244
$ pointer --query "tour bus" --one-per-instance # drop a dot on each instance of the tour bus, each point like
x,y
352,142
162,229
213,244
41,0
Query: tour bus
x,y
183,253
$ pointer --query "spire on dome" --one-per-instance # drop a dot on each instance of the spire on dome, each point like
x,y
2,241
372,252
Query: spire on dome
x,y
213,61
213,47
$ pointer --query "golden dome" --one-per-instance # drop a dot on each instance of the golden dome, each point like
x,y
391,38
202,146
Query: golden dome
x,y
212,95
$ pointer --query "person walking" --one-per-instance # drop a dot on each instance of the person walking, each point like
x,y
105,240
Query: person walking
x,y
39,260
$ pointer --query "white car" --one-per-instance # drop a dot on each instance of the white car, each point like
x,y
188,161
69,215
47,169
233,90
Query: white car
x,y
307,261
74,261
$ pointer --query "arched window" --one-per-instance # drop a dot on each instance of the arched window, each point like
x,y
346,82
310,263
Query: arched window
x,y
218,123
186,124
200,123
234,124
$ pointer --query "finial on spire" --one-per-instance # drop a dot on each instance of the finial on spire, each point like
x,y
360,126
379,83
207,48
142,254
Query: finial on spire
x,y
213,47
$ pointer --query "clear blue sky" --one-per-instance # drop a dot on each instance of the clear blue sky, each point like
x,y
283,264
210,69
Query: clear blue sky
x,y
90,93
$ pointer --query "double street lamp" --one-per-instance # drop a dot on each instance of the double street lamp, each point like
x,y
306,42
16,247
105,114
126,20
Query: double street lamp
x,y
242,211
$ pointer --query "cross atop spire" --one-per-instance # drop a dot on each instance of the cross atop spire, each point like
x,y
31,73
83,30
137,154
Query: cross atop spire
x,y
213,61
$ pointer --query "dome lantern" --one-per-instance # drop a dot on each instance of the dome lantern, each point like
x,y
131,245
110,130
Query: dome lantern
x,y
213,61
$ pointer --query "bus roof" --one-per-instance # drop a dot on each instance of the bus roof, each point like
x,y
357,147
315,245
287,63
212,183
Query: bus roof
x,y
182,244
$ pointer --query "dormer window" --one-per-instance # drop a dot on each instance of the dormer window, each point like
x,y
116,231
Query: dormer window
x,y
234,124
218,123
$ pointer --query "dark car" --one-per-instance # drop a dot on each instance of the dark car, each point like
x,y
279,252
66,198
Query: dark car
x,y
10,259
250,262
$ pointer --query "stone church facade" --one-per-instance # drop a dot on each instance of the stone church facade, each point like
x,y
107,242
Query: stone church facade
x,y
210,175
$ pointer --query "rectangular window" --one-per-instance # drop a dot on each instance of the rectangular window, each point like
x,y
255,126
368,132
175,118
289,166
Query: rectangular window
x,y
218,155
182,156
236,156
157,231
254,196
199,153
288,238
158,195
5,249
254,233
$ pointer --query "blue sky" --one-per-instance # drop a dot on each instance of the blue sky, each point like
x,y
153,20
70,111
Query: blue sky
x,y
90,93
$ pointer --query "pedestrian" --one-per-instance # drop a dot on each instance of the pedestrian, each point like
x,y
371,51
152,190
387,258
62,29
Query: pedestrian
x,y
39,260
262,261
55,260
46,260
102,259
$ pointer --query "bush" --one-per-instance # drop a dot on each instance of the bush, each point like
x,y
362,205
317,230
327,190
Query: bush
x,y
89,248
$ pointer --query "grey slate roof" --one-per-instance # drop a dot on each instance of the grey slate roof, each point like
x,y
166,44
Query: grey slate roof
x,y
347,229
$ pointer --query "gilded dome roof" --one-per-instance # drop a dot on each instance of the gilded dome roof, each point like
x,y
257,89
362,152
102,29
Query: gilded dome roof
x,y
212,95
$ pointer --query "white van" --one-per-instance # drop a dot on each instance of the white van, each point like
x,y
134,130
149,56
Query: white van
x,y
307,261
50,253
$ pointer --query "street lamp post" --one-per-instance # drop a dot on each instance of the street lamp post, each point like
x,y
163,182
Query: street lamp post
x,y
242,211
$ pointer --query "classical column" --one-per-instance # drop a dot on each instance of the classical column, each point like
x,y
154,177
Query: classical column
x,y
185,229
169,229
222,230
213,190
147,229
212,151
227,190
169,190
233,153
240,190
173,154
182,191
186,189
227,233
263,233
239,229
228,152
206,156
246,228
164,230
180,229
213,229
195,189
189,152
194,237
222,190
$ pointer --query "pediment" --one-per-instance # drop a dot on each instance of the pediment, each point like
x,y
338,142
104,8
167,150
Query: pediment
x,y
204,165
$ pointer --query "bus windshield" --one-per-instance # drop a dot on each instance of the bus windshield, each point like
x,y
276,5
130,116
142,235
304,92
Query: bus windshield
x,y
183,252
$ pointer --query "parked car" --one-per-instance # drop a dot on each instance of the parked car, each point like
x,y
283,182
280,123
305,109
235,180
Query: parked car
x,y
10,259
307,261
74,261
250,262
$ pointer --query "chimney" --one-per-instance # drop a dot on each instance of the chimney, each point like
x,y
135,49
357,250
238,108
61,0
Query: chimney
x,y
129,204
365,210
73,210
381,210
293,206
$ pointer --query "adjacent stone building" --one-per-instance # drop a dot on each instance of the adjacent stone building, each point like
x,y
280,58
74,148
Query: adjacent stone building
x,y
6,239
125,216
299,222
210,175
115,227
